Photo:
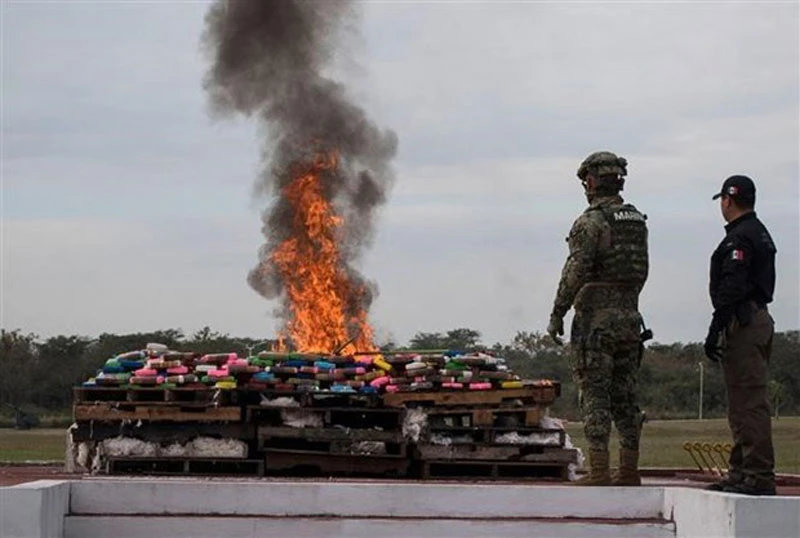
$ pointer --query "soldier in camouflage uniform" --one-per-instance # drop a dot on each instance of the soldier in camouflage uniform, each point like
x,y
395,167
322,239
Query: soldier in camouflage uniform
x,y
602,278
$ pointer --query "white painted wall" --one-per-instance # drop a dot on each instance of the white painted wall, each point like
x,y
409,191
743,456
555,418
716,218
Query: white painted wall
x,y
34,510
122,507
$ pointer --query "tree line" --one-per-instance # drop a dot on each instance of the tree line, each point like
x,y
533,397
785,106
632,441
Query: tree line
x,y
39,374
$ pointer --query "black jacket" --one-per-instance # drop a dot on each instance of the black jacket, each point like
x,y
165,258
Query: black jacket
x,y
742,269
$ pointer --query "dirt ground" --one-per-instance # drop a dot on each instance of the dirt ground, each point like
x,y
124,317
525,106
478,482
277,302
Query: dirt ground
x,y
11,475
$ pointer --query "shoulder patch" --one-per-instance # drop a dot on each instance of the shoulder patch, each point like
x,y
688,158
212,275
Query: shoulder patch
x,y
737,255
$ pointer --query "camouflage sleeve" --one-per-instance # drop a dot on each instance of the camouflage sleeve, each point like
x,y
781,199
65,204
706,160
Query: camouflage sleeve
x,y
583,239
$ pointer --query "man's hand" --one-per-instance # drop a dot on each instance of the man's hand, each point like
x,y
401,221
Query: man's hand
x,y
556,329
715,343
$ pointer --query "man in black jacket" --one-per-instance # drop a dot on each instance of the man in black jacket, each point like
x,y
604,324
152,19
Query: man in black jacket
x,y
742,283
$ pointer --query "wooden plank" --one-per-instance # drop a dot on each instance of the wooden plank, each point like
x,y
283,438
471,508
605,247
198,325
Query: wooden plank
x,y
199,393
161,432
510,417
518,453
108,411
329,434
467,452
483,417
335,464
534,415
467,397
184,466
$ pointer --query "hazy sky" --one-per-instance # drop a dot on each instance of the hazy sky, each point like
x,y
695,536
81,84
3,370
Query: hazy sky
x,y
125,208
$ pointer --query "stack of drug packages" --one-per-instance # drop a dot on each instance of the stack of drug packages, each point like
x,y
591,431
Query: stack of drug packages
x,y
156,366
373,374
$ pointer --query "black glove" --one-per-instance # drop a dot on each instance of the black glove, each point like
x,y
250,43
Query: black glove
x,y
715,339
714,344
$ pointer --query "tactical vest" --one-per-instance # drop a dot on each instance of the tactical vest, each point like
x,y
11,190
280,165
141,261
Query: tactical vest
x,y
626,260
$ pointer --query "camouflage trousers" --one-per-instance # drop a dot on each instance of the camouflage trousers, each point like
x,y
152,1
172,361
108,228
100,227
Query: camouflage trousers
x,y
605,365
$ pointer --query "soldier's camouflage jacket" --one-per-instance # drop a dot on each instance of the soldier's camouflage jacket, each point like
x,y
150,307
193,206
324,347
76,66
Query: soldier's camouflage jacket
x,y
606,269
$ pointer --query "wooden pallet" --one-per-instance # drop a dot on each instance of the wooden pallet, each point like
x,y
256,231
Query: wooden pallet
x,y
197,394
492,416
160,432
528,395
321,398
331,441
493,470
328,434
116,411
298,462
520,453
184,466
490,434
348,417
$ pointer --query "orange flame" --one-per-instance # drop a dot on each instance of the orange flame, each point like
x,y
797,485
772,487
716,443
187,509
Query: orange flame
x,y
319,290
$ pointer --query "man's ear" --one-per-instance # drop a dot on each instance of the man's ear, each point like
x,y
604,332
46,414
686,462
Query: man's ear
x,y
590,182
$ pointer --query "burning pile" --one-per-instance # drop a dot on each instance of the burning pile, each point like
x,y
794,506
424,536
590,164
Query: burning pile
x,y
326,164
158,367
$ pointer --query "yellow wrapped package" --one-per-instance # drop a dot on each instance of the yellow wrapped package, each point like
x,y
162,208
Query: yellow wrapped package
x,y
511,384
382,364
225,385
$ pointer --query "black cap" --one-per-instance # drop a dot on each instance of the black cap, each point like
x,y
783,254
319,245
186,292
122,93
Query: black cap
x,y
739,188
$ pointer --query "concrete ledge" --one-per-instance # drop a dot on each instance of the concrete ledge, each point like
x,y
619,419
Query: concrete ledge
x,y
34,509
698,513
146,507
365,499
250,527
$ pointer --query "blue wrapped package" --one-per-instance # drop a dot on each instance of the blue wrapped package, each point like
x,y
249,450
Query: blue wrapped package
x,y
366,389
264,376
131,365
342,388
324,365
294,363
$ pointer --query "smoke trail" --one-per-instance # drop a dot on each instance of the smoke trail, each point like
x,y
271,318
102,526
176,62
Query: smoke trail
x,y
267,60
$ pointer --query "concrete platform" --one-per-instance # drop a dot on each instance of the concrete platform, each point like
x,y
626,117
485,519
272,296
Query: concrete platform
x,y
132,507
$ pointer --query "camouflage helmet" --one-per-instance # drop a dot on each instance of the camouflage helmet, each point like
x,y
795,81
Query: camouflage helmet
x,y
603,163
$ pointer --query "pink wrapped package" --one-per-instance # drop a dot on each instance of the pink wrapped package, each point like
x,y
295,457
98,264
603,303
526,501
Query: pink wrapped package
x,y
392,388
379,382
145,372
178,370
363,359
237,362
452,385
222,373
480,386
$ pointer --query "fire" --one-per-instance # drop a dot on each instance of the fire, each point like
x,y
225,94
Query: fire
x,y
321,295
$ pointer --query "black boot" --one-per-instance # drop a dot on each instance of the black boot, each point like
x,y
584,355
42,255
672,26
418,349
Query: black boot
x,y
728,481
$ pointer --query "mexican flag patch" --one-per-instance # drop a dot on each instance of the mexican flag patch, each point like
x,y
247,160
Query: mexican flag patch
x,y
737,255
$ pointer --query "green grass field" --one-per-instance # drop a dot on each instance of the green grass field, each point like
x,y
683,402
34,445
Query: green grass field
x,y
33,445
662,442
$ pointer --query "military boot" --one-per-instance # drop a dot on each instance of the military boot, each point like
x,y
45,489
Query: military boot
x,y
598,470
628,474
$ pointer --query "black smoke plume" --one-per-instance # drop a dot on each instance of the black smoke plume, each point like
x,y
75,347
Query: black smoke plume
x,y
267,60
